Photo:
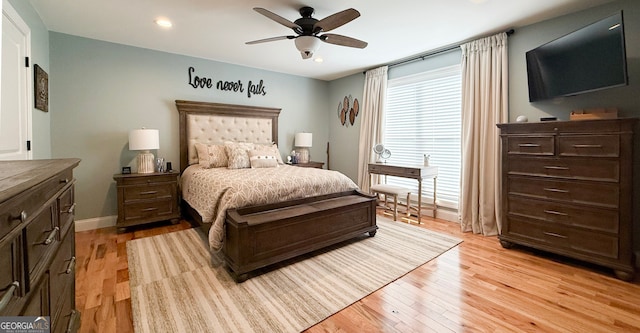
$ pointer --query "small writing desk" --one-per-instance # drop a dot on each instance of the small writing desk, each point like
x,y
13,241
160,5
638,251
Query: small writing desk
x,y
415,172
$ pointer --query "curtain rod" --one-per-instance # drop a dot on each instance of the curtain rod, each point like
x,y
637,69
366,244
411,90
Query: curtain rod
x,y
441,50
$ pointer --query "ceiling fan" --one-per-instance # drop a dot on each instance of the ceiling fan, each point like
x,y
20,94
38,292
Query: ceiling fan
x,y
308,30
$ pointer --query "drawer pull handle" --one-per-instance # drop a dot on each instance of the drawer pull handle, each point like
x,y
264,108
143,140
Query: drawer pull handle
x,y
555,167
554,235
72,265
587,146
556,190
7,295
148,192
71,209
149,209
22,217
64,181
51,236
529,145
72,320
553,212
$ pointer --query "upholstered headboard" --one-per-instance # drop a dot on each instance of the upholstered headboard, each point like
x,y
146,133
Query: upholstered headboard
x,y
215,123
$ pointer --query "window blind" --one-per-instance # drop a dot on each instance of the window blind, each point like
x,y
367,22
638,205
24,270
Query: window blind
x,y
423,116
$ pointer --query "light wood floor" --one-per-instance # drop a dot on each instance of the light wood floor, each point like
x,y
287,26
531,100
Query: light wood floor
x,y
476,287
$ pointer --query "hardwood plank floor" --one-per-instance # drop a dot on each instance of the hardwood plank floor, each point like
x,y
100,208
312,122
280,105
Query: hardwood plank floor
x,y
476,287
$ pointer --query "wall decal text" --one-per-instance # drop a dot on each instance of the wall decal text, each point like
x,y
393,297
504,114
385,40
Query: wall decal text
x,y
235,86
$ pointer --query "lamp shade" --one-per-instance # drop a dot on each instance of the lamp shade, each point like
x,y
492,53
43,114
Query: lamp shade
x,y
144,139
303,139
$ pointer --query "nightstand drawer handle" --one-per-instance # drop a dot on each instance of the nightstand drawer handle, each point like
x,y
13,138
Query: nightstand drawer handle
x,y
555,167
7,295
553,212
529,145
148,192
72,320
72,265
52,235
587,146
554,235
149,209
556,190
71,209
64,181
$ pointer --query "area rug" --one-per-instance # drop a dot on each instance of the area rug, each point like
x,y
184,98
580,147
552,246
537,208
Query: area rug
x,y
176,286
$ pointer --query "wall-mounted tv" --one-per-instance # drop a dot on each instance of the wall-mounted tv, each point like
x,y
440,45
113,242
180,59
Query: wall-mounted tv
x,y
589,59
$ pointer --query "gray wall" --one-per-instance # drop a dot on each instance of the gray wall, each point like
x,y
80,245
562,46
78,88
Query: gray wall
x,y
40,126
344,138
532,36
100,91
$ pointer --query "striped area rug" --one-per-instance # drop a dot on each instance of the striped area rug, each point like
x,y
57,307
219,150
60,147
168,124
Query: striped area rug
x,y
176,285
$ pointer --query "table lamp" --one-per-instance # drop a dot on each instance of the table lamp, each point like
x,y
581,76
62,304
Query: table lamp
x,y
303,140
144,140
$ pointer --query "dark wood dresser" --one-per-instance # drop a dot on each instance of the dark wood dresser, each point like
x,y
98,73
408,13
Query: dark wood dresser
x,y
147,197
567,189
37,241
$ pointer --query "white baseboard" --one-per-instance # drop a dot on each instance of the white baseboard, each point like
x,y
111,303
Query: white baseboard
x,y
96,223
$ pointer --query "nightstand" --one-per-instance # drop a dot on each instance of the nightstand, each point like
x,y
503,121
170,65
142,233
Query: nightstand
x,y
147,197
311,164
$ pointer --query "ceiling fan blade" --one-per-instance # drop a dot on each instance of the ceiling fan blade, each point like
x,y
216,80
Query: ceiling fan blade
x,y
343,41
336,20
278,18
269,39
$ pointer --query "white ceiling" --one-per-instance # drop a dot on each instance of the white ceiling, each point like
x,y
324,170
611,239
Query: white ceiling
x,y
218,29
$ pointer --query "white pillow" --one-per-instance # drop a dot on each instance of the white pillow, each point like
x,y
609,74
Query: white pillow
x,y
238,156
260,160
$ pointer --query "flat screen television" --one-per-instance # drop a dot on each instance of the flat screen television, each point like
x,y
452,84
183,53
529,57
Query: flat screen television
x,y
589,59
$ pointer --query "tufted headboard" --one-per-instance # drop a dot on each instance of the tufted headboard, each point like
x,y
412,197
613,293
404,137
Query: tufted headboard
x,y
215,123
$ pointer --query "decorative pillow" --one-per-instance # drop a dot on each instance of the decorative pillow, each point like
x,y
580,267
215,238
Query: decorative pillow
x,y
238,156
259,160
271,150
211,156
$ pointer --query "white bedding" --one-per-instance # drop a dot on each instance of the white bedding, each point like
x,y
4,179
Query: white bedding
x,y
212,191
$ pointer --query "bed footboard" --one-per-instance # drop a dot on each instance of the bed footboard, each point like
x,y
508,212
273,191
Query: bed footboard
x,y
259,236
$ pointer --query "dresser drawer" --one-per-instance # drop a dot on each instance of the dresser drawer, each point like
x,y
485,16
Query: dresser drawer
x,y
38,304
20,208
589,145
570,215
148,192
562,237
11,276
531,145
592,193
151,179
569,168
62,272
42,237
149,210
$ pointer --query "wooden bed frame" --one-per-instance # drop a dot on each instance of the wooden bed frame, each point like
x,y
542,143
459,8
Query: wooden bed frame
x,y
259,236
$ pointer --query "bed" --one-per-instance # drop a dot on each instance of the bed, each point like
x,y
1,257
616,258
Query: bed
x,y
247,212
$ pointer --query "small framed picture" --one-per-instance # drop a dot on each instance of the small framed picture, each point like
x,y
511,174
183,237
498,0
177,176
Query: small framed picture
x,y
126,170
41,92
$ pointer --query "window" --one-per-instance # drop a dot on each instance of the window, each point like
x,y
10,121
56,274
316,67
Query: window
x,y
423,116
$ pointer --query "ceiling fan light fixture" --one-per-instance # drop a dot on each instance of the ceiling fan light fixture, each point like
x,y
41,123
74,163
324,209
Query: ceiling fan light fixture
x,y
307,45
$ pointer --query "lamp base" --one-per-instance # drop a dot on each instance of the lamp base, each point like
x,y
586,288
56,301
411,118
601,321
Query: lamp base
x,y
146,162
304,155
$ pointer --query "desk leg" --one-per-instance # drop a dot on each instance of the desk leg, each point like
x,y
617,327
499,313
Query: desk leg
x,y
435,206
419,200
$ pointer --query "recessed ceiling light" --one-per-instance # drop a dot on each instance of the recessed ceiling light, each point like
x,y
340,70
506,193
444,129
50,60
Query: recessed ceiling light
x,y
163,22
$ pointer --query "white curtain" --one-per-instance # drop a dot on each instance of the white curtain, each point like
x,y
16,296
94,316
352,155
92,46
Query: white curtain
x,y
484,104
374,95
